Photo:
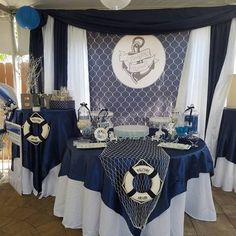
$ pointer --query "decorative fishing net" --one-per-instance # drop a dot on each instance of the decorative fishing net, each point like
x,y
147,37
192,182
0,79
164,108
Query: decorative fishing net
x,y
140,164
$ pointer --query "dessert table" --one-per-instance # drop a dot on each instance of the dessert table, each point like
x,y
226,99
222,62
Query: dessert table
x,y
86,199
41,163
225,166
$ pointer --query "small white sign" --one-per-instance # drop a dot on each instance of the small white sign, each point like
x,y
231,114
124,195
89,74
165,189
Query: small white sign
x,y
138,61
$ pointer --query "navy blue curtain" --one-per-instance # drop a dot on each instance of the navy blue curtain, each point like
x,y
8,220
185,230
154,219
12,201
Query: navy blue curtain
x,y
141,22
60,54
218,49
36,51
144,21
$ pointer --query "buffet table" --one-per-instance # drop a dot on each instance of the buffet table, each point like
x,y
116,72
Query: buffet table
x,y
41,163
225,169
86,199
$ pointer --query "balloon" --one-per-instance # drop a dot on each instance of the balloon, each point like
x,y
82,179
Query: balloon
x,y
28,17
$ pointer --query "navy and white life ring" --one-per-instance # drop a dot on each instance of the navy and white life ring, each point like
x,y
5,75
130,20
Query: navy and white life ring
x,y
101,134
142,167
35,118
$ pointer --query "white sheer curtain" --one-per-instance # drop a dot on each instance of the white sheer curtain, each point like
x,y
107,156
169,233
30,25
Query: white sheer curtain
x,y
78,76
194,80
221,92
225,171
23,41
48,51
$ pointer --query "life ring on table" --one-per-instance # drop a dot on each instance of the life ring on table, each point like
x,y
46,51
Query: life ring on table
x,y
142,167
35,118
101,134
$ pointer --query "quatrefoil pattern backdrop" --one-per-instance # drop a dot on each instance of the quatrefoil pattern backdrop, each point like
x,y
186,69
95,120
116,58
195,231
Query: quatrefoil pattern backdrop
x,y
134,106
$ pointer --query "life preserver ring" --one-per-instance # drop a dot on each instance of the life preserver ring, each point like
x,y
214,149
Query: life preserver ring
x,y
35,118
142,167
101,134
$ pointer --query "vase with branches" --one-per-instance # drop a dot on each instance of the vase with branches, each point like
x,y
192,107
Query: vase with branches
x,y
29,71
34,72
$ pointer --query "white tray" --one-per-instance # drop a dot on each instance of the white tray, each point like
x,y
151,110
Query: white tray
x,y
131,131
83,145
179,146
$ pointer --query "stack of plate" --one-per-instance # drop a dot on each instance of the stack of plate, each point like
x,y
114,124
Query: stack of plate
x,y
179,146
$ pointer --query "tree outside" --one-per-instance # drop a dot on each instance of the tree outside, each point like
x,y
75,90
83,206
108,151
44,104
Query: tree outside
x,y
2,57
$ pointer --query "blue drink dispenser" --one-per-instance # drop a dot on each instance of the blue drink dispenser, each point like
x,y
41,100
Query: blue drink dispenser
x,y
191,119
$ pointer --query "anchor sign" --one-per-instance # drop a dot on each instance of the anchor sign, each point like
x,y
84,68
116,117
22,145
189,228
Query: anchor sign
x,y
138,61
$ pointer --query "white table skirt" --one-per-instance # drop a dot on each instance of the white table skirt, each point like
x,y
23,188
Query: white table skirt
x,y
84,208
49,184
225,175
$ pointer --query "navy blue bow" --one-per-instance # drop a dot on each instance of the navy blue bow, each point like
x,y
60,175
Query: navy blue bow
x,y
191,107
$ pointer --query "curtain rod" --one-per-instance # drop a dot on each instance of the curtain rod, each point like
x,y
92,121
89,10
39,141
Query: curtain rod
x,y
5,9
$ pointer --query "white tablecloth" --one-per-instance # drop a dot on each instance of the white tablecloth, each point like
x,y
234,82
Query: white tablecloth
x,y
49,184
84,208
225,175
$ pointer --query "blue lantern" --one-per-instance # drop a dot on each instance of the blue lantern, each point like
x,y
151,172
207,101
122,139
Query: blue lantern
x,y
28,17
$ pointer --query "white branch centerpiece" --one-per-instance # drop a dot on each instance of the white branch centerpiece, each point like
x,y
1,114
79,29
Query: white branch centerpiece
x,y
32,73
35,69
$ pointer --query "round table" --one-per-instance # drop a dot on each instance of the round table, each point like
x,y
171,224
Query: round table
x,y
40,159
225,167
82,175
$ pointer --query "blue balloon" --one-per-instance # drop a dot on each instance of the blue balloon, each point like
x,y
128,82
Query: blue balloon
x,y
28,17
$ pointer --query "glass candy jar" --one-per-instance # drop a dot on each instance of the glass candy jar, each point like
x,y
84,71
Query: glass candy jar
x,y
84,120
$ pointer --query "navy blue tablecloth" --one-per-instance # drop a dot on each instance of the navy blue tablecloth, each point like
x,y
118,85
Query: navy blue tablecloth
x,y
40,159
85,166
226,146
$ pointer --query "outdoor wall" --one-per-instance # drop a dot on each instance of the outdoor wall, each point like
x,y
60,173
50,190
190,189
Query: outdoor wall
x,y
6,73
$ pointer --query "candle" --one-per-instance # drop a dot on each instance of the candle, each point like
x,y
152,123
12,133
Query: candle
x,y
231,99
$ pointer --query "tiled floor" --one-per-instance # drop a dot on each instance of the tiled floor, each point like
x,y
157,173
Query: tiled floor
x,y
28,215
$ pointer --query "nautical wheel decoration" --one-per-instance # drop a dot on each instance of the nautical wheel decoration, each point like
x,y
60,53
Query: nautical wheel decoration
x,y
36,123
138,61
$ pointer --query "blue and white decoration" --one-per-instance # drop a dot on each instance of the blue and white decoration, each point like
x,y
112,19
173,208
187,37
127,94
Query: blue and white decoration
x,y
137,170
138,61
132,105
199,48
87,70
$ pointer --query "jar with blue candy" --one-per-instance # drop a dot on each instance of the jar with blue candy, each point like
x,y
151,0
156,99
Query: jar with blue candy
x,y
191,119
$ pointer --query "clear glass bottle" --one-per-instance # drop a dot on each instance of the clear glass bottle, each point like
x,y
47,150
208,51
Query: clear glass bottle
x,y
84,118
174,116
83,112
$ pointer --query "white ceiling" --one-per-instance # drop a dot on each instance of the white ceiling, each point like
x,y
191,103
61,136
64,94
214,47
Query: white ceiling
x,y
96,4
